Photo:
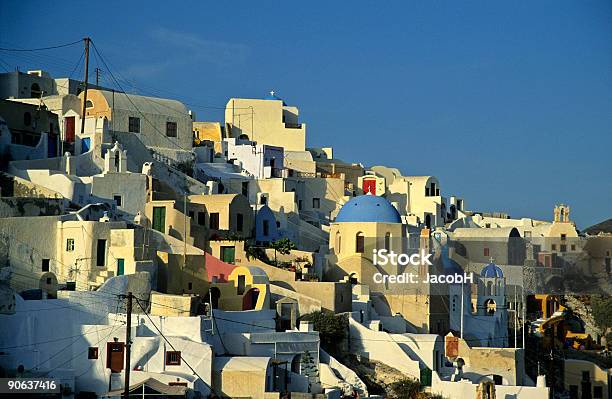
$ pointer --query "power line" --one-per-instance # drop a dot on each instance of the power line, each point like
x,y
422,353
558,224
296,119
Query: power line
x,y
166,339
40,48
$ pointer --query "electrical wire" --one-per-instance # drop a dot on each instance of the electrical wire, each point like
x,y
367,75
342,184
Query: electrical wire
x,y
40,48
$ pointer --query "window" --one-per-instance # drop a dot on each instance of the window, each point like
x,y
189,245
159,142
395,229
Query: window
x,y
45,265
241,284
563,237
553,247
27,119
486,252
597,392
190,286
191,214
70,244
118,199
263,200
173,358
49,280
573,391
573,247
101,253
316,203
245,188
388,241
586,376
563,248
300,205
266,228
88,104
92,352
202,218
134,124
360,243
214,221
171,130
239,222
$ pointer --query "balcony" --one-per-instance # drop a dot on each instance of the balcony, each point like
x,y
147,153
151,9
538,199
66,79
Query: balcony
x,y
293,125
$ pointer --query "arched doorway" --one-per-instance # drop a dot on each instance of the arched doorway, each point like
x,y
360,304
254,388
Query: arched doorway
x,y
214,295
249,300
35,91
295,363
48,284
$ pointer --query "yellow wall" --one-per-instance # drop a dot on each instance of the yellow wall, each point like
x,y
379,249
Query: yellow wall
x,y
598,377
174,278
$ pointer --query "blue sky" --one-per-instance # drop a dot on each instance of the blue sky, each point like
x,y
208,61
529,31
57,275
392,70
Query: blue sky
x,y
509,103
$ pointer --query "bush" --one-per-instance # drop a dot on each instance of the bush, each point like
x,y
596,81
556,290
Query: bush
x,y
332,328
602,311
406,388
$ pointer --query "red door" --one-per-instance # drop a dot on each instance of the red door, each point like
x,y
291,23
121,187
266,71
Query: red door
x,y
369,186
69,131
114,356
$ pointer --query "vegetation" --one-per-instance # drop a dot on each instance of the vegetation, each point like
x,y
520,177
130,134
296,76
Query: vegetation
x,y
602,311
332,328
283,246
406,389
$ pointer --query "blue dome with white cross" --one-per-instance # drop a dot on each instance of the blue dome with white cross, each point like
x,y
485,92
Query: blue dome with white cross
x,y
368,208
492,271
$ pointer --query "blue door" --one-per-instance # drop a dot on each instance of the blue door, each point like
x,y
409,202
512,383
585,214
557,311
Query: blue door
x,y
85,144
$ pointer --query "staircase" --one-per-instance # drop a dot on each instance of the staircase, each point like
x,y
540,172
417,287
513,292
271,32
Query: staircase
x,y
102,276
582,311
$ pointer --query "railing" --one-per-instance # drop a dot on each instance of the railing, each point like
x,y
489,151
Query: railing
x,y
293,125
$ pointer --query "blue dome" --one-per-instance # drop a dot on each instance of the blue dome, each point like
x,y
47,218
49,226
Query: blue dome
x,y
492,271
368,208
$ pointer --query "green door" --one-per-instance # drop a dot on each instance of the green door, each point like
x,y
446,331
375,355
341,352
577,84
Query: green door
x,y
120,267
228,254
159,218
426,377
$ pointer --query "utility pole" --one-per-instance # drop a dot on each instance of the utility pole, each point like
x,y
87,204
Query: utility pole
x,y
185,230
515,317
462,300
98,70
128,345
87,41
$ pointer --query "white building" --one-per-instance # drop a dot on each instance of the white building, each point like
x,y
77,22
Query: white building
x,y
260,161
484,321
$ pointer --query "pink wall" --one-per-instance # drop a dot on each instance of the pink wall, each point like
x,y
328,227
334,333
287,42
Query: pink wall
x,y
217,268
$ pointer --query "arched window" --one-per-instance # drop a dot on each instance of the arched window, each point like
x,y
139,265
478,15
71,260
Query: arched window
x,y
489,288
388,241
89,104
490,307
35,91
27,119
359,243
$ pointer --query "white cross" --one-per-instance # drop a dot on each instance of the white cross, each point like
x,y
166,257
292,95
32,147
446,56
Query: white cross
x,y
491,259
272,93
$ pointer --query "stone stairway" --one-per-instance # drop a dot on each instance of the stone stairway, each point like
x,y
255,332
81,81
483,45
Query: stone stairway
x,y
582,311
